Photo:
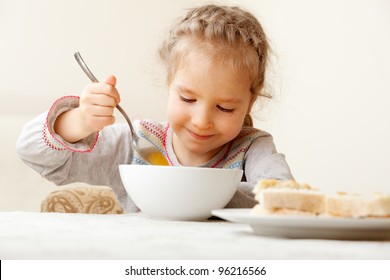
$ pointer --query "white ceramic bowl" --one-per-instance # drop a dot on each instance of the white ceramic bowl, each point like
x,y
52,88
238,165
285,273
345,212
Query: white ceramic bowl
x,y
179,193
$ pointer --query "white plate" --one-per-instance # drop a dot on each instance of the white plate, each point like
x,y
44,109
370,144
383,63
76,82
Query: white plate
x,y
320,227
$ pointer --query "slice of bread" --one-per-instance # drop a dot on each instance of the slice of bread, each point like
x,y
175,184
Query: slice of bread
x,y
346,205
378,205
288,197
358,206
292,198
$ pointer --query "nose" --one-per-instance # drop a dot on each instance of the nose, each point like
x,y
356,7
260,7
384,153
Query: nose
x,y
202,118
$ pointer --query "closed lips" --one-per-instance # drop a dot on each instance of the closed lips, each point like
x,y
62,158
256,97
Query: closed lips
x,y
199,136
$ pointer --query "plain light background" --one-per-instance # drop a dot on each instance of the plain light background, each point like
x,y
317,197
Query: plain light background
x,y
330,77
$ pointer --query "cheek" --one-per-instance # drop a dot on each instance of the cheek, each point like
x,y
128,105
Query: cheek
x,y
230,127
175,112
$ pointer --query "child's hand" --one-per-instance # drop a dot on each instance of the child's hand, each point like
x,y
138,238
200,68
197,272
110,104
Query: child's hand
x,y
97,104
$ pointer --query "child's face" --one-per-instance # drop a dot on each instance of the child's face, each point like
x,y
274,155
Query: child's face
x,y
207,105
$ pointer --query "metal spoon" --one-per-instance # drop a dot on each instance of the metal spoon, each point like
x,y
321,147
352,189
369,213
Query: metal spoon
x,y
144,148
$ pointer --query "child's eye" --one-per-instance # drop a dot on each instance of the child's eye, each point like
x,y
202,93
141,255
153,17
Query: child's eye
x,y
224,109
187,99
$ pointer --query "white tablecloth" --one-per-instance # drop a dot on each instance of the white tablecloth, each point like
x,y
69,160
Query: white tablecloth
x,y
32,235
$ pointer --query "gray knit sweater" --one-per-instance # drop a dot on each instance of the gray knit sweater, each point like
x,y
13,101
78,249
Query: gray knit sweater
x,y
95,160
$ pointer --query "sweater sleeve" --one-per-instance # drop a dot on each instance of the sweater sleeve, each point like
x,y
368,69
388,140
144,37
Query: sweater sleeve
x,y
264,162
94,160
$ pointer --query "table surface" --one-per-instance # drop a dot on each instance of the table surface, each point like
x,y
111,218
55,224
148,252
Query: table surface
x,y
33,235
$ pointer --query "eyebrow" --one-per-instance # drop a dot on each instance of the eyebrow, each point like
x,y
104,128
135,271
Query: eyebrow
x,y
183,88
223,100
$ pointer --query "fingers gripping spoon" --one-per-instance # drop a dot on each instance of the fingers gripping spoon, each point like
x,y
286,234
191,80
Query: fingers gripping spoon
x,y
144,148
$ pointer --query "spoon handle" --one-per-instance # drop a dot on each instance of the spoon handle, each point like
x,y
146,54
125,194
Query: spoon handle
x,y
85,68
92,77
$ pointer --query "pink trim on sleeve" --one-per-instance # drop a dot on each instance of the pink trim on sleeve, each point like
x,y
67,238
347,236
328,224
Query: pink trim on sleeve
x,y
53,140
165,145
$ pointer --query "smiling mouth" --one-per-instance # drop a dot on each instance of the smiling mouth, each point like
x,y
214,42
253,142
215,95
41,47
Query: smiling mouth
x,y
200,137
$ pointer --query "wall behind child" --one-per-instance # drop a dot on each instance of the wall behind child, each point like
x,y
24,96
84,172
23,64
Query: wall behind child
x,y
330,72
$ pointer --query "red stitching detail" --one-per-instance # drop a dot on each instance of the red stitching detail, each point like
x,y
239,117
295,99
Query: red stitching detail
x,y
47,141
153,129
165,145
224,155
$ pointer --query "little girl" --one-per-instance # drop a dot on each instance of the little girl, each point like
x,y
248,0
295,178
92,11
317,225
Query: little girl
x,y
216,61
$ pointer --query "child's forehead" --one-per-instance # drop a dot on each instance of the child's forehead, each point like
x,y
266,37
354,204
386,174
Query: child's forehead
x,y
197,75
198,62
204,60
205,68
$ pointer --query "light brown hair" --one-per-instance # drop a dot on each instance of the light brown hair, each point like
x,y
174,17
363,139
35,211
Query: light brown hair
x,y
225,32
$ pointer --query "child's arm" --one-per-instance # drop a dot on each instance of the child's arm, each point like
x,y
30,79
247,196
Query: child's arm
x,y
95,111
93,159
243,198
264,162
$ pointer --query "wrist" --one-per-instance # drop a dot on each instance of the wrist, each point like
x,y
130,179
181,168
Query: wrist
x,y
70,126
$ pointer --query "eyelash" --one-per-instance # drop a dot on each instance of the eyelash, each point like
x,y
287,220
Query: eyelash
x,y
186,99
225,110
219,107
